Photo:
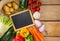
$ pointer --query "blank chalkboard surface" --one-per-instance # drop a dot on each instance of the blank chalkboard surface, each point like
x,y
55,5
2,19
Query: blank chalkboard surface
x,y
22,19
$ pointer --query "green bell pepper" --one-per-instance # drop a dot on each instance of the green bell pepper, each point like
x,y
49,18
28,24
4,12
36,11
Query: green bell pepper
x,y
29,38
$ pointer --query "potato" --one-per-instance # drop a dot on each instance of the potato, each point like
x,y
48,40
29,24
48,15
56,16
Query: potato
x,y
8,13
11,9
9,4
6,8
15,6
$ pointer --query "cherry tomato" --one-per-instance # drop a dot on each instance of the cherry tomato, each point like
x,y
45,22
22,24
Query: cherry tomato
x,y
33,9
30,1
29,6
39,4
38,9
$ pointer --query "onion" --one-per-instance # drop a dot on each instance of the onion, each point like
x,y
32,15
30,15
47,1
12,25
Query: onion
x,y
42,28
38,23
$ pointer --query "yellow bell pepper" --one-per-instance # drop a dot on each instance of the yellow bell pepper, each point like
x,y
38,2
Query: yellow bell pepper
x,y
24,32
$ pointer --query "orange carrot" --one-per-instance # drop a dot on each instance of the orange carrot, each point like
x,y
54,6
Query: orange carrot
x,y
39,35
34,35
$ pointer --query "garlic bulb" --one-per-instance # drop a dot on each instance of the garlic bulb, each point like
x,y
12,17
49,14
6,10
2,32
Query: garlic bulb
x,y
36,15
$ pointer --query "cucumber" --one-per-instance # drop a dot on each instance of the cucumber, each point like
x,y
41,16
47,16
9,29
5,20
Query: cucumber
x,y
6,36
23,4
12,36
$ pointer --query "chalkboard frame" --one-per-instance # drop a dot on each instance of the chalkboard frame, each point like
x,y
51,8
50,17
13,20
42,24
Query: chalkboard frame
x,y
20,13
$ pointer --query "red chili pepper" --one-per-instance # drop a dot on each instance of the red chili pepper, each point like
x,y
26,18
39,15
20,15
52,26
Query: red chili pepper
x,y
39,4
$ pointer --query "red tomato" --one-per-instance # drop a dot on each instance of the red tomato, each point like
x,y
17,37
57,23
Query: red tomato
x,y
39,4
34,3
33,9
38,9
30,1
29,6
34,0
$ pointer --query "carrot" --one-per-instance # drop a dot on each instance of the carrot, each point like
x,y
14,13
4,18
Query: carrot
x,y
39,35
34,35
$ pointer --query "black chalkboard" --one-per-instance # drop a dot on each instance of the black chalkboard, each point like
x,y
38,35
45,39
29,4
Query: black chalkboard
x,y
22,19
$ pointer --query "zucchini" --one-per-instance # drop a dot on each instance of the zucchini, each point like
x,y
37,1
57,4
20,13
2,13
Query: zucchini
x,y
6,36
12,36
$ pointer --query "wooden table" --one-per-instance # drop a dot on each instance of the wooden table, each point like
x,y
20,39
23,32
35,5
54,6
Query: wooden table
x,y
50,17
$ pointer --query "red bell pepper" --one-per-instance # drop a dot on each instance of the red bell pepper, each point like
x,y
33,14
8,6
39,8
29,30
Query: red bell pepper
x,y
18,38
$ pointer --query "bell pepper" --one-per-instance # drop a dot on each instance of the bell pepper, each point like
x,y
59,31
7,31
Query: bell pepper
x,y
18,38
24,32
29,38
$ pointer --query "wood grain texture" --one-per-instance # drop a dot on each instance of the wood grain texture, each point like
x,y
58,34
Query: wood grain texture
x,y
50,1
52,39
50,12
52,28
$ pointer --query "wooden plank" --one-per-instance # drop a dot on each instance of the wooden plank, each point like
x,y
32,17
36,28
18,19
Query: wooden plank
x,y
50,1
52,39
52,28
50,12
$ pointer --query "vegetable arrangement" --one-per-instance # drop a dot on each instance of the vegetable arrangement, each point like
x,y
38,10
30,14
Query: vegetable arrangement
x,y
10,7
36,34
34,5
23,35
29,34
33,33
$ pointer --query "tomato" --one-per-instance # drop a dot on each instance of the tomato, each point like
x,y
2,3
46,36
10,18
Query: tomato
x,y
39,4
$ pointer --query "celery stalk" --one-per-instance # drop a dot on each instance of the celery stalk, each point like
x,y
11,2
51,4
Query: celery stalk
x,y
5,24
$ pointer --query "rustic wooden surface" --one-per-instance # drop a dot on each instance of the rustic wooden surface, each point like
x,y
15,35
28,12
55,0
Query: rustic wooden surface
x,y
52,39
50,1
52,28
50,14
50,10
